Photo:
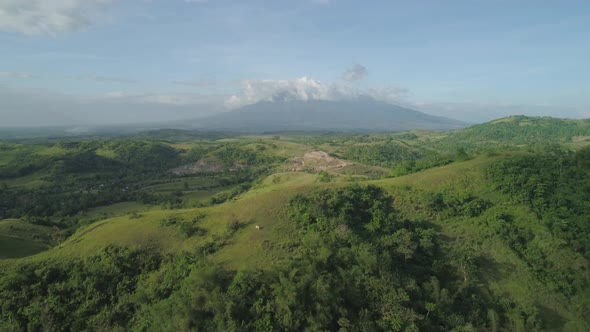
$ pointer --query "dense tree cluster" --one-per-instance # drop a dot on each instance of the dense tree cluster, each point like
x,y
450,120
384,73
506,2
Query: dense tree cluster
x,y
92,293
356,266
231,155
556,187
386,154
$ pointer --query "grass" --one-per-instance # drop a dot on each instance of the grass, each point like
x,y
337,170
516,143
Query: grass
x,y
193,183
30,181
195,196
121,230
107,153
13,247
117,209
261,205
9,151
22,229
54,150
253,248
250,248
20,239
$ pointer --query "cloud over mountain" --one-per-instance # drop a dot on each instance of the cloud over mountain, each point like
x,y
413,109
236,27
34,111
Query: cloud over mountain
x,y
355,73
305,89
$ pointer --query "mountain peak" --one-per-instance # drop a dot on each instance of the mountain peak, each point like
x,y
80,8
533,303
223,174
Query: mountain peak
x,y
362,113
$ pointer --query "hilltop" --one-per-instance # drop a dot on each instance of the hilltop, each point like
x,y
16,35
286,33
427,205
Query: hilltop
x,y
522,130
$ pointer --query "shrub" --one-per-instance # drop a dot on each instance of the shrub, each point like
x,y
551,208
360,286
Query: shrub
x,y
233,226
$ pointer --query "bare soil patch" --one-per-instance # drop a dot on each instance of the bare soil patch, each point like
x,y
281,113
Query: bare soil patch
x,y
317,161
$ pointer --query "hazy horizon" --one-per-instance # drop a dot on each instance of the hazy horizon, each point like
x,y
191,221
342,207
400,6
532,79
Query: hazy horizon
x,y
106,62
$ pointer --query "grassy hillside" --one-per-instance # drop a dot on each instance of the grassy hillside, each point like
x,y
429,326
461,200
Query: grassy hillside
x,y
499,271
465,240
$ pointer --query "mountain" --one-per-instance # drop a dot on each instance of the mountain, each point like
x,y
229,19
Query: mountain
x,y
363,114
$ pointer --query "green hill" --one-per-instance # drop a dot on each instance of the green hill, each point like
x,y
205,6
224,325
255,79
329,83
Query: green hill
x,y
521,130
494,242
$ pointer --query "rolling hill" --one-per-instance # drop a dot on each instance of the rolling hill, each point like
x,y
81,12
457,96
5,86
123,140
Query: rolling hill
x,y
478,241
520,129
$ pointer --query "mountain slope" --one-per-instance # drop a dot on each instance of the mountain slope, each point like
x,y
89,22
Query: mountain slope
x,y
524,129
359,115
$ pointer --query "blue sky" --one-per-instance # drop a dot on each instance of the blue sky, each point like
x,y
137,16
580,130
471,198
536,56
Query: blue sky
x,y
109,61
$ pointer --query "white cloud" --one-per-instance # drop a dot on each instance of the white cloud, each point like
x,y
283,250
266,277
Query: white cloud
x,y
196,83
8,74
48,17
306,88
36,107
176,99
355,73
172,99
100,78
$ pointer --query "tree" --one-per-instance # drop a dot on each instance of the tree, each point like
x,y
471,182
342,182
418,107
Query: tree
x,y
405,244
462,154
429,307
